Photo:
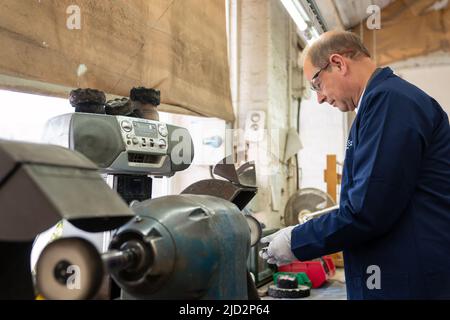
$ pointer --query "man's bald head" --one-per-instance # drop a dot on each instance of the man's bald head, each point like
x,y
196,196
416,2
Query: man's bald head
x,y
338,66
342,42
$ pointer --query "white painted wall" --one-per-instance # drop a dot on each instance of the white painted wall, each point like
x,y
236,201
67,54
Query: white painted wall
x,y
434,80
261,76
322,132
431,73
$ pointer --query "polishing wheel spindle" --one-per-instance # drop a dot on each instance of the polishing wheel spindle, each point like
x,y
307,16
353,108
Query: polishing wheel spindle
x,y
72,268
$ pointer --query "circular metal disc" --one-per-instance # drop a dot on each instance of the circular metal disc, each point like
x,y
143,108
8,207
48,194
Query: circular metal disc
x,y
69,269
304,202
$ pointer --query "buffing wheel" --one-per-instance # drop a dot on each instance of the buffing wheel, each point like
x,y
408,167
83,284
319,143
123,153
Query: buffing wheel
x,y
87,100
69,269
299,292
146,95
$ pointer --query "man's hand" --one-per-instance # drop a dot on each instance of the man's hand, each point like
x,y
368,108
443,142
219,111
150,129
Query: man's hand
x,y
279,250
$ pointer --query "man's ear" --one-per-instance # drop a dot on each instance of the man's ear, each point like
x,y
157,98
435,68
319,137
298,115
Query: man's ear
x,y
338,61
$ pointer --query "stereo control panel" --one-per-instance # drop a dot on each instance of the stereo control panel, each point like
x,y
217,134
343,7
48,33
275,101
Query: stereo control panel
x,y
142,135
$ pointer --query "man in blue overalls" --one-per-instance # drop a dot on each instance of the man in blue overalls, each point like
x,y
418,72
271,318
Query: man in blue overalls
x,y
393,221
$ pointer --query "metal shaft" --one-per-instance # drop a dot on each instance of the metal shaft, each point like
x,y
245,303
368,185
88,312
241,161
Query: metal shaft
x,y
119,259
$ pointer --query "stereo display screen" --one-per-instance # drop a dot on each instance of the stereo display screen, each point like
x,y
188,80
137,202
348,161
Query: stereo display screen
x,y
143,129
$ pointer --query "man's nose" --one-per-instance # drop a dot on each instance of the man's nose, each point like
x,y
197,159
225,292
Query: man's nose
x,y
321,98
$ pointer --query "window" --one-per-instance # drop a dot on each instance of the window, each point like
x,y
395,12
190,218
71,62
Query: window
x,y
23,116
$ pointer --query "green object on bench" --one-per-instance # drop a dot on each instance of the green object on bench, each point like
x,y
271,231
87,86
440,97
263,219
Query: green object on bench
x,y
302,278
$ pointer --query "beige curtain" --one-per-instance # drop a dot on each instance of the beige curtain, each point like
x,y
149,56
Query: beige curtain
x,y
177,46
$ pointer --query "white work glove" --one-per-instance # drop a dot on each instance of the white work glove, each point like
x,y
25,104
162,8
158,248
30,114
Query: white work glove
x,y
279,250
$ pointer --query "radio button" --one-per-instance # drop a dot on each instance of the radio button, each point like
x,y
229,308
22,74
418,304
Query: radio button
x,y
163,131
126,125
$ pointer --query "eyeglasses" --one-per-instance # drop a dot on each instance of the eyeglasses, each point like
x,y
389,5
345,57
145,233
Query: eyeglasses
x,y
314,85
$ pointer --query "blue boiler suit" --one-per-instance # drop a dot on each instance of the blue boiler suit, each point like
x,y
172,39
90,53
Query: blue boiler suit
x,y
394,210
